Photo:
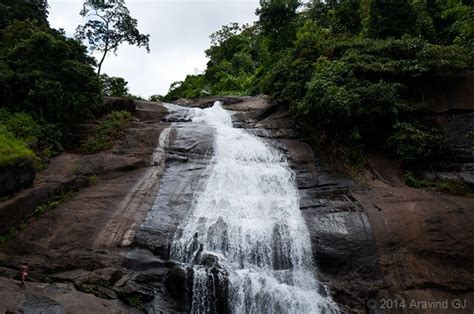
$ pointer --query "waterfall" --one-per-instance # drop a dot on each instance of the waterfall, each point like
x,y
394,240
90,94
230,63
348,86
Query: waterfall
x,y
244,237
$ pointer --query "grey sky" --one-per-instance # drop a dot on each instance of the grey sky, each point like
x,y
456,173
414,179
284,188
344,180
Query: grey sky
x,y
179,32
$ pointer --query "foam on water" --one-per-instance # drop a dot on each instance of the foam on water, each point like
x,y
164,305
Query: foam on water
x,y
248,218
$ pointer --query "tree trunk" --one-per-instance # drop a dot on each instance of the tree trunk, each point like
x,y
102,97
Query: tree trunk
x,y
106,49
100,63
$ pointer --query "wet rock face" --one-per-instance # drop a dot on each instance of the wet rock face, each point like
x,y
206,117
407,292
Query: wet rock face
x,y
345,251
458,163
369,242
14,178
344,247
382,239
189,148
21,206
219,236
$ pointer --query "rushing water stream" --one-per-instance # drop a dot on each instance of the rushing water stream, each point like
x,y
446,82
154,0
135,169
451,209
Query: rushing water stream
x,y
244,237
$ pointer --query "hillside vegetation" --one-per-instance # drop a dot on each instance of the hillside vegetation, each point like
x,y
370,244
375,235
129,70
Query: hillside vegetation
x,y
345,69
47,83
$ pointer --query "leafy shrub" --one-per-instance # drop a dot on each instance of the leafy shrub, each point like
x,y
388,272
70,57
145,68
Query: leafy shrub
x,y
41,209
109,129
365,86
92,179
288,79
413,143
21,125
19,134
44,139
114,86
193,86
12,149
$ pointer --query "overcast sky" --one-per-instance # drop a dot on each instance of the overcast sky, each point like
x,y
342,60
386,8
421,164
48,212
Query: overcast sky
x,y
179,32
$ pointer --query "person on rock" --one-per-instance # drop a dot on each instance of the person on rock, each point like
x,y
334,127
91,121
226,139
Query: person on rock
x,y
23,274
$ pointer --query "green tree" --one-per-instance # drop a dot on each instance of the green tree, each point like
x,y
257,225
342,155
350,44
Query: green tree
x,y
46,74
109,25
193,86
349,70
114,86
21,10
391,18
278,21
341,16
156,98
347,17
232,61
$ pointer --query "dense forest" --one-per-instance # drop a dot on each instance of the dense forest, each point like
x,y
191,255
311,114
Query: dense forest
x,y
48,81
346,69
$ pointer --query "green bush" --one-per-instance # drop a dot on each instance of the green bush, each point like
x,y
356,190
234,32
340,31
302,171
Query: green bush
x,y
193,86
412,181
109,129
44,139
114,86
414,144
21,125
364,86
41,209
12,149
92,179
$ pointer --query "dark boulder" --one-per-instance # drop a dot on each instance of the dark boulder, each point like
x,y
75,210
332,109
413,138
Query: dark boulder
x,y
177,282
16,177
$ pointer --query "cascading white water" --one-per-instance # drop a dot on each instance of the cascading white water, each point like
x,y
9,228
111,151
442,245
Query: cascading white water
x,y
247,219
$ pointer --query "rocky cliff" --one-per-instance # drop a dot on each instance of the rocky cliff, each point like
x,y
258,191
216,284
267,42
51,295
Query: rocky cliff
x,y
106,249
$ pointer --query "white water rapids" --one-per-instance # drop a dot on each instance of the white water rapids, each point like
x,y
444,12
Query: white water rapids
x,y
247,223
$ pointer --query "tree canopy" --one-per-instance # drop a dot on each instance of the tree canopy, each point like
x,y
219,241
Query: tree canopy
x,y
346,69
21,10
108,25
47,83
